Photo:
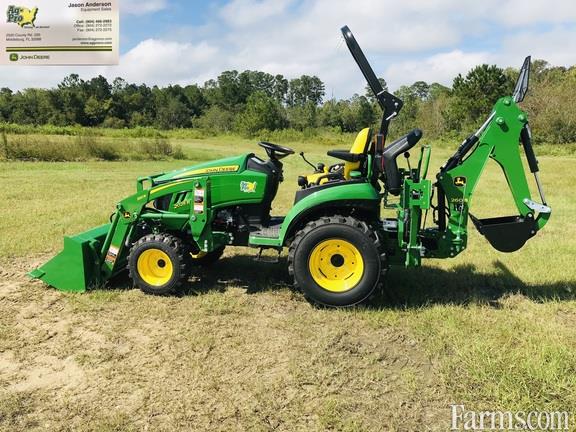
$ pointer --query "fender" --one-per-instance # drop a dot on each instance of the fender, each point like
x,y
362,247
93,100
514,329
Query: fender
x,y
360,196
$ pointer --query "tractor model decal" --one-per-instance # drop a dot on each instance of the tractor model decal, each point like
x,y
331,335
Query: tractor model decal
x,y
112,254
210,170
248,187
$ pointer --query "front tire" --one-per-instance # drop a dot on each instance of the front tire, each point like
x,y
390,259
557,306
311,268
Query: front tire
x,y
157,264
335,261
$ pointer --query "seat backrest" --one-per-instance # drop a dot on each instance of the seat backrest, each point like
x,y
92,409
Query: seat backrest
x,y
360,146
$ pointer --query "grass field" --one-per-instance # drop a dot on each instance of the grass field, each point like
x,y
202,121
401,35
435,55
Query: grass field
x,y
241,351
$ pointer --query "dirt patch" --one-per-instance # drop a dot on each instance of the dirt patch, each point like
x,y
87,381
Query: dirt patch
x,y
8,364
226,358
50,373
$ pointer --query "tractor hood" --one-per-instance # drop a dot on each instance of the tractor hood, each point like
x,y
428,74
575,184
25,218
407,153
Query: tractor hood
x,y
220,166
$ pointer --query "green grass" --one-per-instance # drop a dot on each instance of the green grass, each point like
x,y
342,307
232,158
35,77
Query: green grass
x,y
74,144
241,351
313,135
64,148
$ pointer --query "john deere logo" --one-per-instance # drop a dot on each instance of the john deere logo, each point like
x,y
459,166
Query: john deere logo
x,y
13,57
248,187
21,16
460,181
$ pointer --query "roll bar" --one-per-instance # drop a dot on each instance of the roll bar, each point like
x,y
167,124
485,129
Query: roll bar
x,y
390,104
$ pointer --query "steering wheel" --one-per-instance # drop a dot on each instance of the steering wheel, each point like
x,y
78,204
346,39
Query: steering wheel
x,y
275,151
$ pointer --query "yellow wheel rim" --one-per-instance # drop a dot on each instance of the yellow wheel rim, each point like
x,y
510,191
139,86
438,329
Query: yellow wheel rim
x,y
155,267
336,265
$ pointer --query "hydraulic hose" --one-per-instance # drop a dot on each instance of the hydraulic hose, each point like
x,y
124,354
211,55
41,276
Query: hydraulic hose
x,y
526,138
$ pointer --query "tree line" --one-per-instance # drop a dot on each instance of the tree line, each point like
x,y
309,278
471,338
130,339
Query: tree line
x,y
250,102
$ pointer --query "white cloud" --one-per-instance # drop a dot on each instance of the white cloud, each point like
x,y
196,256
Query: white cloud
x,y
306,37
522,12
142,7
557,46
20,77
430,40
441,68
164,62
242,13
152,61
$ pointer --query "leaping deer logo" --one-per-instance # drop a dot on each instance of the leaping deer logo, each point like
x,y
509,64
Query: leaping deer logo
x,y
460,181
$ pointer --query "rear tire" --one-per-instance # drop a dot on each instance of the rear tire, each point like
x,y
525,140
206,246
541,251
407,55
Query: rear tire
x,y
335,261
157,264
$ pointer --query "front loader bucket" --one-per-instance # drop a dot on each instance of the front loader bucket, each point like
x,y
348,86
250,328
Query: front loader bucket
x,y
77,267
506,233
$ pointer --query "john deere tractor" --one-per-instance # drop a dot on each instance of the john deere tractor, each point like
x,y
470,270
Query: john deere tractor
x,y
339,247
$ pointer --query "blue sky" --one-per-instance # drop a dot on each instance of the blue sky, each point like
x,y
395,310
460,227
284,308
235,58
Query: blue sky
x,y
180,42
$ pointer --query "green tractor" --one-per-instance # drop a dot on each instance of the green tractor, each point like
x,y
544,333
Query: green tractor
x,y
339,246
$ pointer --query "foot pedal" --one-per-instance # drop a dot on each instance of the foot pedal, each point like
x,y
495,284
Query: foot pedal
x,y
267,259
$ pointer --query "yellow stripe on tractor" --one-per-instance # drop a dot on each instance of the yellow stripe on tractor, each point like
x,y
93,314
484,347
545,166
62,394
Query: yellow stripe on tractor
x,y
211,170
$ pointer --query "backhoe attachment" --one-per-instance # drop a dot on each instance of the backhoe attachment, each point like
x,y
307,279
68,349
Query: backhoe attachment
x,y
498,139
510,233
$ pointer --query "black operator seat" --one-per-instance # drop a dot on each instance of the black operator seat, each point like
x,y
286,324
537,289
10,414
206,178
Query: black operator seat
x,y
391,152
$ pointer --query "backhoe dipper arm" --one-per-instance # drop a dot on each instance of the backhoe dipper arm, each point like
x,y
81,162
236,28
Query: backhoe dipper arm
x,y
499,139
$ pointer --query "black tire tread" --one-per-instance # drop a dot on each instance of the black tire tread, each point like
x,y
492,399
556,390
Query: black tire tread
x,y
369,230
179,248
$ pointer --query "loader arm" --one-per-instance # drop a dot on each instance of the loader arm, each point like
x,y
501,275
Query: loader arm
x,y
133,209
499,139
91,258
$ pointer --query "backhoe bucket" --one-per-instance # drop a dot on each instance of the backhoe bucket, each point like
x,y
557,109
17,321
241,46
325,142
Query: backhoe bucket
x,y
506,233
77,267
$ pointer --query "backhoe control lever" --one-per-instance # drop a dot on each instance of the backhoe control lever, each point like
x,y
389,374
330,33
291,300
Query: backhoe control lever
x,y
391,152
307,161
